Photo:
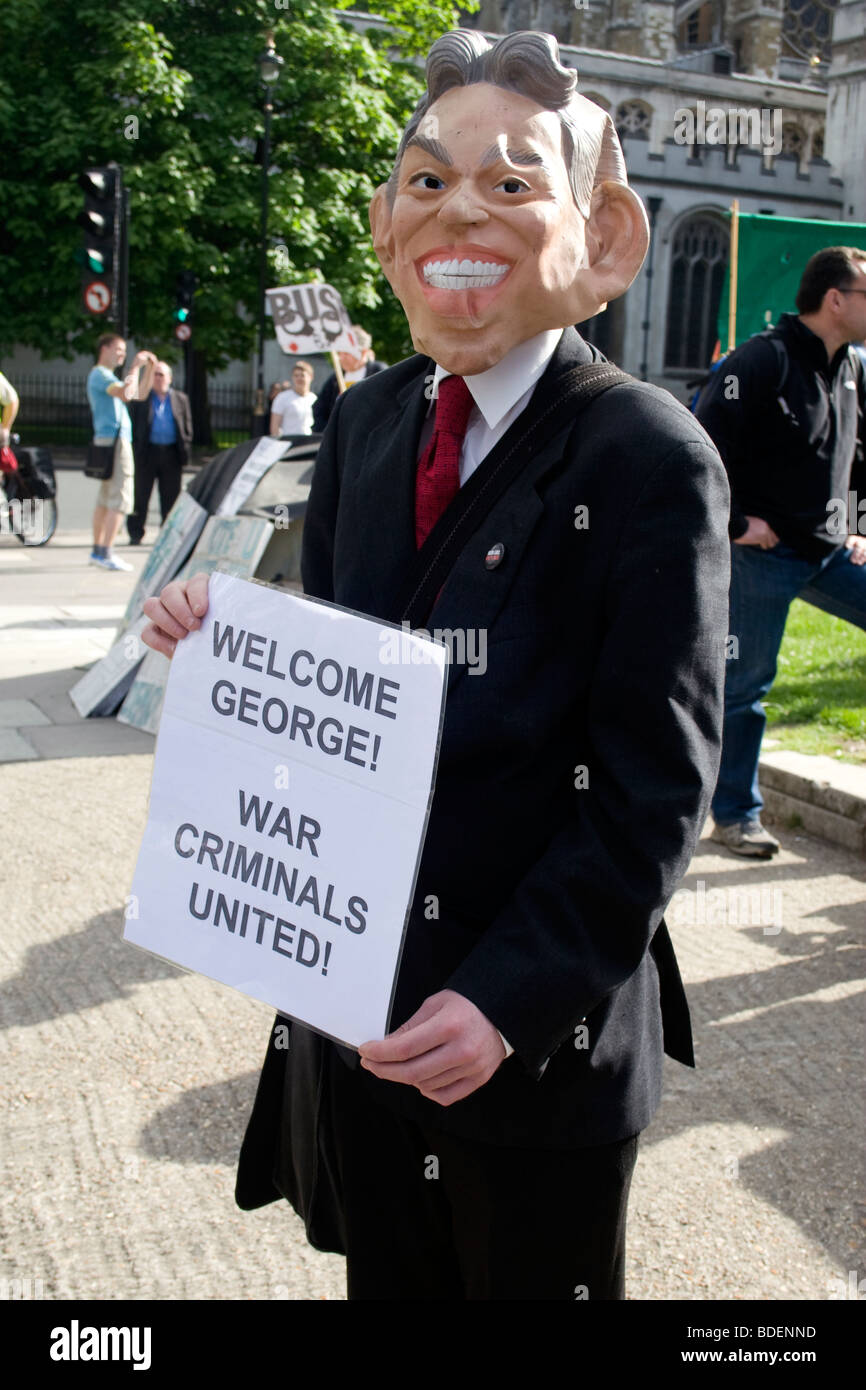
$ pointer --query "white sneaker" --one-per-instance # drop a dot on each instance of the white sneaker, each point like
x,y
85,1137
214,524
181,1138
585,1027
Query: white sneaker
x,y
111,562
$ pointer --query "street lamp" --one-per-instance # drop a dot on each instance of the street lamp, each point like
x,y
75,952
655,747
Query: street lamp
x,y
270,65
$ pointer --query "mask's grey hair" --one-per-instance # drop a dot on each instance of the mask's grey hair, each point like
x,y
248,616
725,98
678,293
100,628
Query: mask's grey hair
x,y
528,63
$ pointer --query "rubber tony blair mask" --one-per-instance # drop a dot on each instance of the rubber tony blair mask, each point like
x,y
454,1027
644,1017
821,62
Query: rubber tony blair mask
x,y
508,211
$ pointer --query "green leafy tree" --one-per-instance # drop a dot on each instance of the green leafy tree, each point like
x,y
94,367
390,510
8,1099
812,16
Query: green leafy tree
x,y
169,90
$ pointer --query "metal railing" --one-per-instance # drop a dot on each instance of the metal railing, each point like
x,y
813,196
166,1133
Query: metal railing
x,y
54,410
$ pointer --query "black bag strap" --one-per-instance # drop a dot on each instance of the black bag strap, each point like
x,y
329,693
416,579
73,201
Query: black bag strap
x,y
475,500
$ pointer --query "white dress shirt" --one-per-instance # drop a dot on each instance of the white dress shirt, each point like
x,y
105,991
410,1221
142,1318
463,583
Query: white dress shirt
x,y
500,394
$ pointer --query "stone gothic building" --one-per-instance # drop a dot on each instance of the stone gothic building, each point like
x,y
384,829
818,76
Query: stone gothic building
x,y
795,69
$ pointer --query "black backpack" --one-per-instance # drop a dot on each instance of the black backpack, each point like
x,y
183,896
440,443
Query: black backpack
x,y
697,386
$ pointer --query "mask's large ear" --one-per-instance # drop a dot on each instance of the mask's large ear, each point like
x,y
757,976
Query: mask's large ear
x,y
382,229
617,240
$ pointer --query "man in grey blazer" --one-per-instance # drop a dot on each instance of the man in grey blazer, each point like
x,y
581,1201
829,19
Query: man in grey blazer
x,y
161,439
484,1149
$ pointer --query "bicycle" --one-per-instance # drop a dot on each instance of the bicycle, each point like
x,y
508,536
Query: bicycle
x,y
29,511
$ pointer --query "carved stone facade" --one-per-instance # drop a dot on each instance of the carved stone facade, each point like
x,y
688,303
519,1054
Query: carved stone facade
x,y
762,36
787,87
846,108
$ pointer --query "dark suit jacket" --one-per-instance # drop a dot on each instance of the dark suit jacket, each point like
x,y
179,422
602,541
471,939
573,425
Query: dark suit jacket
x,y
327,397
605,649
142,419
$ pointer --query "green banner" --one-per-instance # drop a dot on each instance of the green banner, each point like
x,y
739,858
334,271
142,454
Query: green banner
x,y
773,254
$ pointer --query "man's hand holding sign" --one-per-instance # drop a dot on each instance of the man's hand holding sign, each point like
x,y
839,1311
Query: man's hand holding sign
x,y
447,1049
177,611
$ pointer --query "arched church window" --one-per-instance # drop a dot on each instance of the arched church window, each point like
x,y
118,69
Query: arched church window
x,y
807,27
699,256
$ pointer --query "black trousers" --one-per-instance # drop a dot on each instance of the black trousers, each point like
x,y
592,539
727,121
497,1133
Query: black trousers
x,y
160,463
428,1215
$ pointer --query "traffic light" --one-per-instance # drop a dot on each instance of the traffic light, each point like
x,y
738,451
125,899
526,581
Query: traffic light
x,y
103,220
185,289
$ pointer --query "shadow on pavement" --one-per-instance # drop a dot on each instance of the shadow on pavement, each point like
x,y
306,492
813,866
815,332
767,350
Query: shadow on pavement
x,y
204,1125
736,871
78,971
790,1064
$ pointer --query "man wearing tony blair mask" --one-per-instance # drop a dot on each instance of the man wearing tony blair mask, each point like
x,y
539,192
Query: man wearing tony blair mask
x,y
506,479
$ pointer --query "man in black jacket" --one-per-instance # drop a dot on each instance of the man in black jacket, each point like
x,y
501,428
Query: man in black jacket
x,y
484,1149
788,419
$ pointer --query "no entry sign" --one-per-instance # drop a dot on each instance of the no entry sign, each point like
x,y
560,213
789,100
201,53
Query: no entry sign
x,y
97,296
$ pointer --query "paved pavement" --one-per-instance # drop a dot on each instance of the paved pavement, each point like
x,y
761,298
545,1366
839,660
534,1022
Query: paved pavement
x,y
59,614
126,1083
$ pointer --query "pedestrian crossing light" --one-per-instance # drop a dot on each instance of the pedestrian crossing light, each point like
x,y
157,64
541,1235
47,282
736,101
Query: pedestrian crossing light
x,y
101,220
184,291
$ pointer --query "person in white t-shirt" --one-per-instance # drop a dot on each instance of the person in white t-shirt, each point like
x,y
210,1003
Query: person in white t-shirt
x,y
292,410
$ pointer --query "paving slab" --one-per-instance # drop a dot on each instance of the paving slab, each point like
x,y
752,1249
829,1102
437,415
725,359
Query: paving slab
x,y
17,714
89,738
14,747
39,683
57,706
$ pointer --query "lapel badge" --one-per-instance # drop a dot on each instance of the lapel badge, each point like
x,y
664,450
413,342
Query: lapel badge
x,y
494,556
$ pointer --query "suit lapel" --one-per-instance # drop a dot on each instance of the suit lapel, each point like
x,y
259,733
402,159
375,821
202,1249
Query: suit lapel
x,y
473,594
386,489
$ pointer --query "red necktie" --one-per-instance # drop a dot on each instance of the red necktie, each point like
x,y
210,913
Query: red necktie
x,y
438,479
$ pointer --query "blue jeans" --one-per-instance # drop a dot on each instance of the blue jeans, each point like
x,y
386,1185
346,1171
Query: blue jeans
x,y
763,584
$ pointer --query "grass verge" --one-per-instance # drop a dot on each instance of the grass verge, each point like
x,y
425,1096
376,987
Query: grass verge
x,y
818,701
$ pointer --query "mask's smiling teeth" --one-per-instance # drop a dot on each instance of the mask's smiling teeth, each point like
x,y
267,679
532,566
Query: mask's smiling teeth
x,y
463,275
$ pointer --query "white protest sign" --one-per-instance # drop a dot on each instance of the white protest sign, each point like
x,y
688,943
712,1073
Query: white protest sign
x,y
291,787
263,457
311,318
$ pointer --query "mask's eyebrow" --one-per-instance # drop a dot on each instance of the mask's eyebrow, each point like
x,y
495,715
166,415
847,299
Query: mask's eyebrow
x,y
434,148
519,157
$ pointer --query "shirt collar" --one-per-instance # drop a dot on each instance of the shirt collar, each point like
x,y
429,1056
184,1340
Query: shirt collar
x,y
500,387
